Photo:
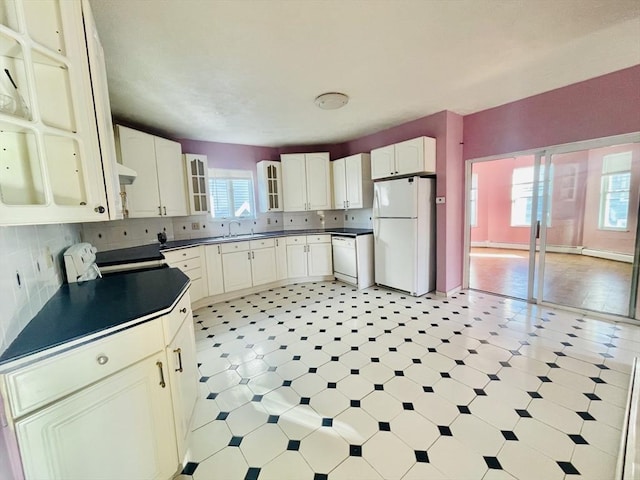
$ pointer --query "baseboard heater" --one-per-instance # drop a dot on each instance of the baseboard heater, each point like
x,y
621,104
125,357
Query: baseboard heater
x,y
628,466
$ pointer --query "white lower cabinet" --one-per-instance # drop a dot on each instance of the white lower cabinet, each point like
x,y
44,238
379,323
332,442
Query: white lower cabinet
x,y
117,407
119,426
281,259
263,262
183,377
191,261
319,259
309,256
215,280
236,266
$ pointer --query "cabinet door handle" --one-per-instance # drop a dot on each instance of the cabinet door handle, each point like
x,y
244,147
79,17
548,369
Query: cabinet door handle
x,y
159,210
102,359
249,255
183,310
276,242
179,352
218,249
165,210
252,256
99,209
162,382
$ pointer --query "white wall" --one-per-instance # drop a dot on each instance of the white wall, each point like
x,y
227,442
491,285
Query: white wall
x,y
34,253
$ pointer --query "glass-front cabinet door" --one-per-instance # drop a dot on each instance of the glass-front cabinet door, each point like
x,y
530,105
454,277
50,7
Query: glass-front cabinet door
x,y
197,183
269,186
50,162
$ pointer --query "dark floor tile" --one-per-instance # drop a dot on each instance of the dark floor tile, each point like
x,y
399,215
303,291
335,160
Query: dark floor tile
x,y
222,416
445,431
252,473
355,450
421,456
534,395
427,389
384,426
568,468
464,409
592,396
523,413
293,445
480,392
578,440
189,468
509,435
493,463
355,403
273,419
585,415
235,441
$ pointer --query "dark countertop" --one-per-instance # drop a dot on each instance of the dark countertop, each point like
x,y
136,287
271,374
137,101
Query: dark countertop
x,y
143,253
79,310
154,251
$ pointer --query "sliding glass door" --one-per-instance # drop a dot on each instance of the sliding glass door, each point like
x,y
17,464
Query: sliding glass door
x,y
558,226
589,237
503,205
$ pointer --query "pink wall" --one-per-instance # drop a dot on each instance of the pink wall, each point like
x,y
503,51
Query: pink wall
x,y
494,201
446,128
575,205
599,107
614,241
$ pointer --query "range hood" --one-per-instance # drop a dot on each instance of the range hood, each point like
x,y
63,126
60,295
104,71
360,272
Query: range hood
x,y
126,175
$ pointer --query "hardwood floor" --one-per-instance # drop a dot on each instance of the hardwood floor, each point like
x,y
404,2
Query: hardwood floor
x,y
572,280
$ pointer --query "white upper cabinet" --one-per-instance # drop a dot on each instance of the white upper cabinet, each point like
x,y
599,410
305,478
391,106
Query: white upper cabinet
x,y
269,186
51,167
159,188
352,184
383,162
417,155
306,181
197,169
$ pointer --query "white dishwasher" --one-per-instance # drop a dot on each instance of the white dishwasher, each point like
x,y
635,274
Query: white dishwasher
x,y
345,263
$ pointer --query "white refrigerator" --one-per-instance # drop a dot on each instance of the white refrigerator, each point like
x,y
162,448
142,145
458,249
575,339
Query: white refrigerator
x,y
404,234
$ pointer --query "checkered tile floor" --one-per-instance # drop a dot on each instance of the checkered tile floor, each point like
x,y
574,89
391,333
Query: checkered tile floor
x,y
321,381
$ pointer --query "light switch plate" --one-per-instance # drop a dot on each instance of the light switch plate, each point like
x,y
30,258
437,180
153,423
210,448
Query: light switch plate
x,y
439,199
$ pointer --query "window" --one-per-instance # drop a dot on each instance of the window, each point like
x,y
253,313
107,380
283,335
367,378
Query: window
x,y
473,200
614,191
522,196
231,193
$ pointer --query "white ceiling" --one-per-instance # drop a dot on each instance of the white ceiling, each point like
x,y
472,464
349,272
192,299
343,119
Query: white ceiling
x,y
248,71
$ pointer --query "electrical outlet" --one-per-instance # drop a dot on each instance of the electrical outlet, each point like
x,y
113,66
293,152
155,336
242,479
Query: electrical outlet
x,y
268,220
195,226
346,217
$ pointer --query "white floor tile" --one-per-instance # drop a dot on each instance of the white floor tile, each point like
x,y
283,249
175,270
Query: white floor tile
x,y
330,382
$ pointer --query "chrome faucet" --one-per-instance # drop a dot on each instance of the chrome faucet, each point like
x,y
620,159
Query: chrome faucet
x,y
233,221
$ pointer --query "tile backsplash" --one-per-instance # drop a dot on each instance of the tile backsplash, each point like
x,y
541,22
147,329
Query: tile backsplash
x,y
30,273
139,231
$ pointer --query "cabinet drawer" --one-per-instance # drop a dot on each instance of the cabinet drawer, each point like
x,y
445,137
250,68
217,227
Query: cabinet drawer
x,y
318,238
174,257
187,264
47,380
171,321
297,240
264,243
235,247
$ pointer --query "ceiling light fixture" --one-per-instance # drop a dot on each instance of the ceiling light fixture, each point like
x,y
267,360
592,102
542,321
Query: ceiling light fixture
x,y
331,100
